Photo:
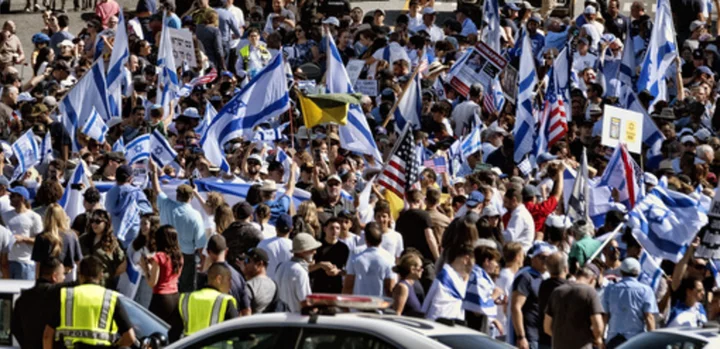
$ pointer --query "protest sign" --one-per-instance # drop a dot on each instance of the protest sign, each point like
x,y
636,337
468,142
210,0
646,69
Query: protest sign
x,y
710,234
367,87
509,83
481,66
183,47
354,68
622,126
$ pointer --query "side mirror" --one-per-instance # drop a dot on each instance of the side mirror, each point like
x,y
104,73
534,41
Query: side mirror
x,y
154,341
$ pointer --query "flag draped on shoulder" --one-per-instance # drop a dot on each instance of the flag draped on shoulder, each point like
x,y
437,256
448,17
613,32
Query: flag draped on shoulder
x,y
355,135
408,110
661,52
524,131
26,152
322,108
664,222
168,82
625,176
264,97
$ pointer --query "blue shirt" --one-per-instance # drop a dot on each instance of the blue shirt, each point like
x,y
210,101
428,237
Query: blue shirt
x,y
227,23
187,221
173,21
627,302
370,269
278,207
468,27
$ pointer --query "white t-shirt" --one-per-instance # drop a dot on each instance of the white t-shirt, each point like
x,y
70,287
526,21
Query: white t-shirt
x,y
5,204
267,230
392,242
278,250
27,224
352,241
504,282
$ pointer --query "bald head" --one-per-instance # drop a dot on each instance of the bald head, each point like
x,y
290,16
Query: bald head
x,y
557,264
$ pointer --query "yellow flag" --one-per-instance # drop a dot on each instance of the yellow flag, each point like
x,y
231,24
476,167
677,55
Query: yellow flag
x,y
318,109
396,203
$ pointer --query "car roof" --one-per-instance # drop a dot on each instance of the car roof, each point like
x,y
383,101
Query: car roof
x,y
410,332
709,334
15,286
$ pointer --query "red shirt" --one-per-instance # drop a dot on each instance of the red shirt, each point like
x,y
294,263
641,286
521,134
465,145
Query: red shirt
x,y
539,212
167,281
105,10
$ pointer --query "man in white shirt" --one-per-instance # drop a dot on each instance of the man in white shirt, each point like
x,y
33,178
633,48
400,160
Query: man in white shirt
x,y
392,241
25,225
292,277
428,25
583,58
445,297
464,114
369,273
520,227
414,14
278,247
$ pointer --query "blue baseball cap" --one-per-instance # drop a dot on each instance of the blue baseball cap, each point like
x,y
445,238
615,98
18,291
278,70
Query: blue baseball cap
x,y
284,223
475,199
541,248
22,191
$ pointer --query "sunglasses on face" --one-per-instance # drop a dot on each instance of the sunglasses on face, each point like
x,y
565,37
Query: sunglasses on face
x,y
253,162
97,221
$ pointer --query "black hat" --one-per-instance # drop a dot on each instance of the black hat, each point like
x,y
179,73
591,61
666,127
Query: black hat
x,y
243,210
698,54
123,173
258,254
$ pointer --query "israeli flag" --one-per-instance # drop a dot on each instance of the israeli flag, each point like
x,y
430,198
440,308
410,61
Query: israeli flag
x,y
88,94
264,97
270,135
624,175
355,135
650,271
409,108
652,137
72,199
626,73
491,30
286,161
472,142
660,54
119,146
46,150
577,207
168,83
161,151
598,202
713,265
665,222
26,151
138,149
116,67
210,114
524,131
128,221
95,127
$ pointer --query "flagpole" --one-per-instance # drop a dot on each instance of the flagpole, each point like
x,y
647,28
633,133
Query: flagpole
x,y
405,89
602,246
292,133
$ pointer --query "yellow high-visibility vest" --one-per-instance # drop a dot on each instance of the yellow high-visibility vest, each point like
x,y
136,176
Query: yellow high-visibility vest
x,y
86,316
203,308
245,54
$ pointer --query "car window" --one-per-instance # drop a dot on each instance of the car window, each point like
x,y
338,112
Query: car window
x,y
144,322
337,339
6,310
462,341
663,340
250,339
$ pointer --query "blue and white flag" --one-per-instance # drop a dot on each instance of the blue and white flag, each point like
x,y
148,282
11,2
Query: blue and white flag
x,y
270,135
355,135
88,94
624,175
128,222
160,150
599,199
472,142
491,30
565,77
713,265
626,73
129,281
210,114
138,149
409,108
46,150
286,161
661,52
119,145
95,127
652,137
264,97
650,271
116,67
168,82
72,199
27,153
578,207
664,222
524,131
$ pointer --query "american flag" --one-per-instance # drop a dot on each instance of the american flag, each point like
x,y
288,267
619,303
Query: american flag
x,y
494,97
438,164
554,109
402,169
186,89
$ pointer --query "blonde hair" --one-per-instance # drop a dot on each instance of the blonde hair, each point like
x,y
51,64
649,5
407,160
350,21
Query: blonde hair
x,y
223,217
55,223
308,211
213,201
405,264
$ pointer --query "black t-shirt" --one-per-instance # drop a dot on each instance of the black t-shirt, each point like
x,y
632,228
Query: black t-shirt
x,y
334,8
506,22
337,254
617,26
528,285
685,12
504,162
546,289
59,136
70,252
411,225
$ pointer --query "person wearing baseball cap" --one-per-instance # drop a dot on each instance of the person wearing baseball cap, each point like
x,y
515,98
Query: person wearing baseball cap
x,y
278,248
261,289
292,277
24,224
217,250
524,317
630,304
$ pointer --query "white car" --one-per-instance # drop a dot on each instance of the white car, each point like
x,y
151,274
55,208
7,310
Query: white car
x,y
340,331
676,337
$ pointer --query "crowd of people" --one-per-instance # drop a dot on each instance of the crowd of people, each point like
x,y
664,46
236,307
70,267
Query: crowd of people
x,y
478,240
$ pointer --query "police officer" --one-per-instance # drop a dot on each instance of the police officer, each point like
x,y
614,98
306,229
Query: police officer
x,y
205,307
89,315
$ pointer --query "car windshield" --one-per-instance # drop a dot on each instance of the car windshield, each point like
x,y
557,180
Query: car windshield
x,y
663,340
470,341
144,322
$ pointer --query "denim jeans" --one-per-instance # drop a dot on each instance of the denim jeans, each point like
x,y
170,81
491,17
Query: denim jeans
x,y
22,271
